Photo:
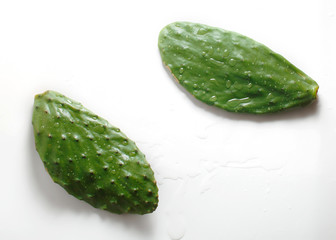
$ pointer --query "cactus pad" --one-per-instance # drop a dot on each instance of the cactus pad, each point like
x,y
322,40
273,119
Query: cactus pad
x,y
91,159
231,71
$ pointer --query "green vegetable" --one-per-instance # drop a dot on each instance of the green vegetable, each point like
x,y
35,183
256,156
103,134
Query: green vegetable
x,y
231,71
91,159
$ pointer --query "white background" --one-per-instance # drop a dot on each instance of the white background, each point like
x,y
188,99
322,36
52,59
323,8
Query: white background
x,y
221,175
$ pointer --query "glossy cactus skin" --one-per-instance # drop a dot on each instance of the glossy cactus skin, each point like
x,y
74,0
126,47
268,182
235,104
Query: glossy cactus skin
x,y
91,159
231,71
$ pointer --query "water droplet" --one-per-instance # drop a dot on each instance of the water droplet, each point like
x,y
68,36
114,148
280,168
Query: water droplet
x,y
247,74
249,85
213,99
237,86
226,53
181,70
203,54
228,84
211,50
176,228
232,62
202,135
195,85
212,79
133,153
201,31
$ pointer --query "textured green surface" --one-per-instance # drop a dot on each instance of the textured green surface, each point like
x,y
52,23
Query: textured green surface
x,y
231,71
91,159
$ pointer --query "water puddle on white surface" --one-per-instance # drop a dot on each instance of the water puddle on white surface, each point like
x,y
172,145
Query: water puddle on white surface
x,y
176,223
207,182
176,227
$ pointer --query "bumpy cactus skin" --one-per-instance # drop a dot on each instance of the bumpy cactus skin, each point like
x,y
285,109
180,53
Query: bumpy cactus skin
x,y
231,71
91,159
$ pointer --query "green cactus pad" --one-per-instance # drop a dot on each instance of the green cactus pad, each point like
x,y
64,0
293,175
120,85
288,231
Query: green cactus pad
x,y
91,159
231,71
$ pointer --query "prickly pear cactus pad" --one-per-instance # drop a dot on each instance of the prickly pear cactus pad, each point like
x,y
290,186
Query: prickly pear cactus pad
x,y
91,159
231,71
